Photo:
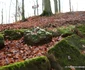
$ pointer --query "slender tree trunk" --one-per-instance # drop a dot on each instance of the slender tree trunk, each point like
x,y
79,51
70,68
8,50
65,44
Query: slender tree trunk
x,y
34,12
59,6
16,11
9,11
70,5
23,15
2,16
19,12
56,6
47,8
37,6
42,5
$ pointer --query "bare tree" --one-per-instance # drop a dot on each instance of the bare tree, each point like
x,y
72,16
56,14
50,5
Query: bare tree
x,y
23,11
56,6
42,5
59,6
70,6
37,6
19,12
16,11
47,8
2,16
9,10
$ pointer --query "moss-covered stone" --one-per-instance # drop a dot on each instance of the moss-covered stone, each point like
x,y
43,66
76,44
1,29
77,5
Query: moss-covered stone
x,y
65,30
1,41
80,30
37,36
53,62
38,63
54,33
14,34
76,41
66,54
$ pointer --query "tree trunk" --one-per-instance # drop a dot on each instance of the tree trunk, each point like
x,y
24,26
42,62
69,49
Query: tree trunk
x,y
37,6
59,6
70,5
56,6
42,5
23,15
2,16
16,11
47,8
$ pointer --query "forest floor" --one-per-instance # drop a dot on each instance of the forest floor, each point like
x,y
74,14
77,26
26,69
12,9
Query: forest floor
x,y
14,50
48,22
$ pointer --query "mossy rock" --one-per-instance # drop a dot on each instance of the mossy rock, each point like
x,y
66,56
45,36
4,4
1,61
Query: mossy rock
x,y
37,36
76,41
1,41
80,30
14,34
65,30
54,33
53,62
67,54
37,63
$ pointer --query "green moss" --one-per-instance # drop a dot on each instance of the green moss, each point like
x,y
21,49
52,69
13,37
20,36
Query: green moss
x,y
67,54
2,32
1,37
53,62
54,33
38,63
1,41
76,41
80,30
14,34
65,30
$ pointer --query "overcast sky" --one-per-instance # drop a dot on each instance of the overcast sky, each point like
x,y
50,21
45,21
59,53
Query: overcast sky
x,y
77,5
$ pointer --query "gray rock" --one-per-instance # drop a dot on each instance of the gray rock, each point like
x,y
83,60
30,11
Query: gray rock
x,y
37,36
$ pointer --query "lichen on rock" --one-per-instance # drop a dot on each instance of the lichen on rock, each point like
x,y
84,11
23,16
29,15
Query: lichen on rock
x,y
37,36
